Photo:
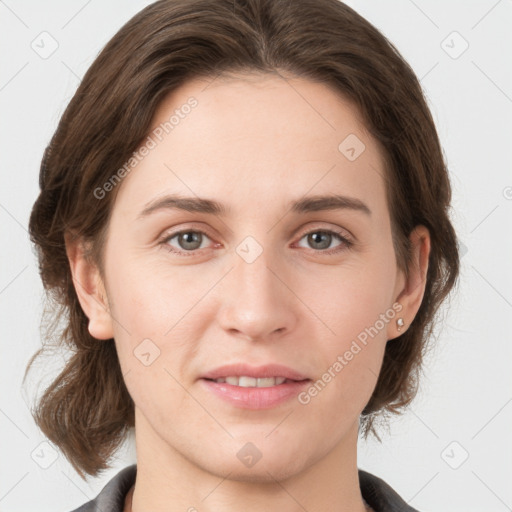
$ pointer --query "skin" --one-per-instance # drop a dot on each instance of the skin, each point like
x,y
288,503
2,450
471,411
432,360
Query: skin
x,y
255,143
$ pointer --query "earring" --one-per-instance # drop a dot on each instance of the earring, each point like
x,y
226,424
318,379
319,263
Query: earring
x,y
399,323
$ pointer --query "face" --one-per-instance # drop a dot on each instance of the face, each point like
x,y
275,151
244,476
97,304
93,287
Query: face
x,y
270,277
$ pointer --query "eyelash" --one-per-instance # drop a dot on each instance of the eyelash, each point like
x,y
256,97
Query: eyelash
x,y
347,244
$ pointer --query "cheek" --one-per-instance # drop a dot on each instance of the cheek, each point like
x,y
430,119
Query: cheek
x,y
152,298
154,331
351,361
357,309
352,300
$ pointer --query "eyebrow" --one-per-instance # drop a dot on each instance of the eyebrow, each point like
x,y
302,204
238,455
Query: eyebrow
x,y
209,206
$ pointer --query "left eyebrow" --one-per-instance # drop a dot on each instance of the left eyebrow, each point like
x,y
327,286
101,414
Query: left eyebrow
x,y
209,206
329,202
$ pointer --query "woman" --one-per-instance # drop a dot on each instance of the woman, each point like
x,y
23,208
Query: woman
x,y
244,217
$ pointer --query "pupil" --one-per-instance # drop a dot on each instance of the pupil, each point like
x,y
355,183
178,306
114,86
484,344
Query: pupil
x,y
190,238
319,235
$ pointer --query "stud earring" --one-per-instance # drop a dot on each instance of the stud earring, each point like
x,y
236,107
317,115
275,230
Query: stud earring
x,y
399,323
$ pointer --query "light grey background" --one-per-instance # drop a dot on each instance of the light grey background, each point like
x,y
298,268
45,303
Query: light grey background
x,y
465,406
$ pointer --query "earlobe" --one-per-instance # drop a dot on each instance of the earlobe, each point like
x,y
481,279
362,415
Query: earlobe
x,y
90,290
411,293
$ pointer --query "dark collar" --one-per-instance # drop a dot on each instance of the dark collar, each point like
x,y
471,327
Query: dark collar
x,y
380,495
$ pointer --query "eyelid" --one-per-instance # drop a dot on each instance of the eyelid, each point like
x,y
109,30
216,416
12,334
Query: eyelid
x,y
169,233
344,233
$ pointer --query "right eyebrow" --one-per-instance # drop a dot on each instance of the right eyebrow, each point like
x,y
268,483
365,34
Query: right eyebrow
x,y
189,204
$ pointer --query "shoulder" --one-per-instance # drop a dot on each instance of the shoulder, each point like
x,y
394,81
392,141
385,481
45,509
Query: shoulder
x,y
111,497
380,495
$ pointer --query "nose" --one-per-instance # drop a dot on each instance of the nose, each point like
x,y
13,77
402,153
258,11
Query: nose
x,y
257,301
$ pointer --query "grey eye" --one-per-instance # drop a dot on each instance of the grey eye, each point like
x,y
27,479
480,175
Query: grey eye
x,y
321,239
187,240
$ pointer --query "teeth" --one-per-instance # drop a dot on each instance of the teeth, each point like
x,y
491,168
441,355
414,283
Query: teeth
x,y
244,382
251,382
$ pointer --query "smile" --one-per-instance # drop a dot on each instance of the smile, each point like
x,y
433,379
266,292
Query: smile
x,y
251,382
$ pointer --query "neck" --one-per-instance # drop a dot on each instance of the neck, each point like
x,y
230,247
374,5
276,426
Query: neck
x,y
168,481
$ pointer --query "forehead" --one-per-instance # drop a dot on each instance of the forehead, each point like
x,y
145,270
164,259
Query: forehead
x,y
254,140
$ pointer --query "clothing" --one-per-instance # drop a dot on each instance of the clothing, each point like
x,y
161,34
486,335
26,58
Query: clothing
x,y
376,492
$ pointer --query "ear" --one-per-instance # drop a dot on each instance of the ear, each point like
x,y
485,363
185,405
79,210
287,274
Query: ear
x,y
90,290
410,290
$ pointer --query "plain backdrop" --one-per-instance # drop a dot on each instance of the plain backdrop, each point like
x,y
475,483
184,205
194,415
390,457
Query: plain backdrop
x,y
452,450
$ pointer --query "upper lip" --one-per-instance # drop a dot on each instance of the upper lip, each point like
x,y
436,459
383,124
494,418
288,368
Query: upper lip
x,y
268,370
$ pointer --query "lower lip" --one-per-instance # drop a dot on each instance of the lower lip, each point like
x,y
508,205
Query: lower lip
x,y
255,398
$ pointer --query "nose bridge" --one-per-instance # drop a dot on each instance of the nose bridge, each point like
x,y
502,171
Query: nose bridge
x,y
252,269
256,302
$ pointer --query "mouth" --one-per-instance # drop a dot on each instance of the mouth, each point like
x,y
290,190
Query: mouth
x,y
241,374
256,388
245,381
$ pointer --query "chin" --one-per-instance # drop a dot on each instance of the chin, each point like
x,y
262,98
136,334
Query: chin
x,y
261,472
258,461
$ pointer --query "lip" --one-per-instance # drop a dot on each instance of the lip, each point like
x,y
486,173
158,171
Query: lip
x,y
253,397
268,370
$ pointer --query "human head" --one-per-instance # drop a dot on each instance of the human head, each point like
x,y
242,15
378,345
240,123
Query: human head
x,y
110,116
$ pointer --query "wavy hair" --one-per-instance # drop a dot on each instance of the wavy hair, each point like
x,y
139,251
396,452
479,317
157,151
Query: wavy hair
x,y
87,411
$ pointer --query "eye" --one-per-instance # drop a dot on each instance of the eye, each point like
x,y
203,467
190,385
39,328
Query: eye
x,y
321,239
188,241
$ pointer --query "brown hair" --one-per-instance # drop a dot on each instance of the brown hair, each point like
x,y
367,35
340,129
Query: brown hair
x,y
87,410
